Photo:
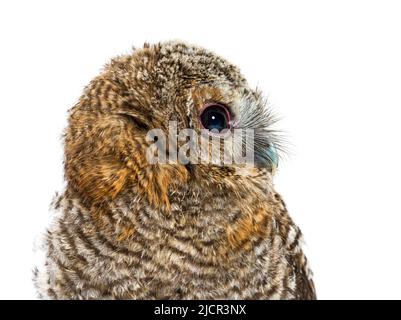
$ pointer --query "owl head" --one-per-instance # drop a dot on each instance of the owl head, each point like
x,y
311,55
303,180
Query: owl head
x,y
166,117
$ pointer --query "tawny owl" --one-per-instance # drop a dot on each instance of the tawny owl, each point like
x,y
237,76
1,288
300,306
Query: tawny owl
x,y
127,227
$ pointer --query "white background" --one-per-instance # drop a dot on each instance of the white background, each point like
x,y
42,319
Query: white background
x,y
332,69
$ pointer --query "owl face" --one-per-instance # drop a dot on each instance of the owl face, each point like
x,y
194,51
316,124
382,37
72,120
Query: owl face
x,y
167,116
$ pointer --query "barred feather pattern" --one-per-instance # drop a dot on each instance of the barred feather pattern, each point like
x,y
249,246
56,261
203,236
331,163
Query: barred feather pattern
x,y
126,229
138,253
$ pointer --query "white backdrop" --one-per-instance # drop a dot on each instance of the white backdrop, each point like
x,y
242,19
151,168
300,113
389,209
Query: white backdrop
x,y
331,69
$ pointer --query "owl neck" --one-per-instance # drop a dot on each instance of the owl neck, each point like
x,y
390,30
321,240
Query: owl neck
x,y
200,213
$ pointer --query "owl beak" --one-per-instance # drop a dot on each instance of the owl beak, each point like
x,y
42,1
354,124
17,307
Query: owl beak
x,y
273,157
268,158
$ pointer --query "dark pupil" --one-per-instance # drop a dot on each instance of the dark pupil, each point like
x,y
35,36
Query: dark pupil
x,y
214,117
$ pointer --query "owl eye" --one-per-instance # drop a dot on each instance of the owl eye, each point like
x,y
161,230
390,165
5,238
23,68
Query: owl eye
x,y
215,116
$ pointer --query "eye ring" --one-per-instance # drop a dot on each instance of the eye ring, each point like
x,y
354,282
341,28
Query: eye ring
x,y
215,116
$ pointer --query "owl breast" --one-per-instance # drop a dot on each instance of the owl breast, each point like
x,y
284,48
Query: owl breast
x,y
206,248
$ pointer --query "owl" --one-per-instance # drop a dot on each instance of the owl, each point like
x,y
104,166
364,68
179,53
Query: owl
x,y
150,213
